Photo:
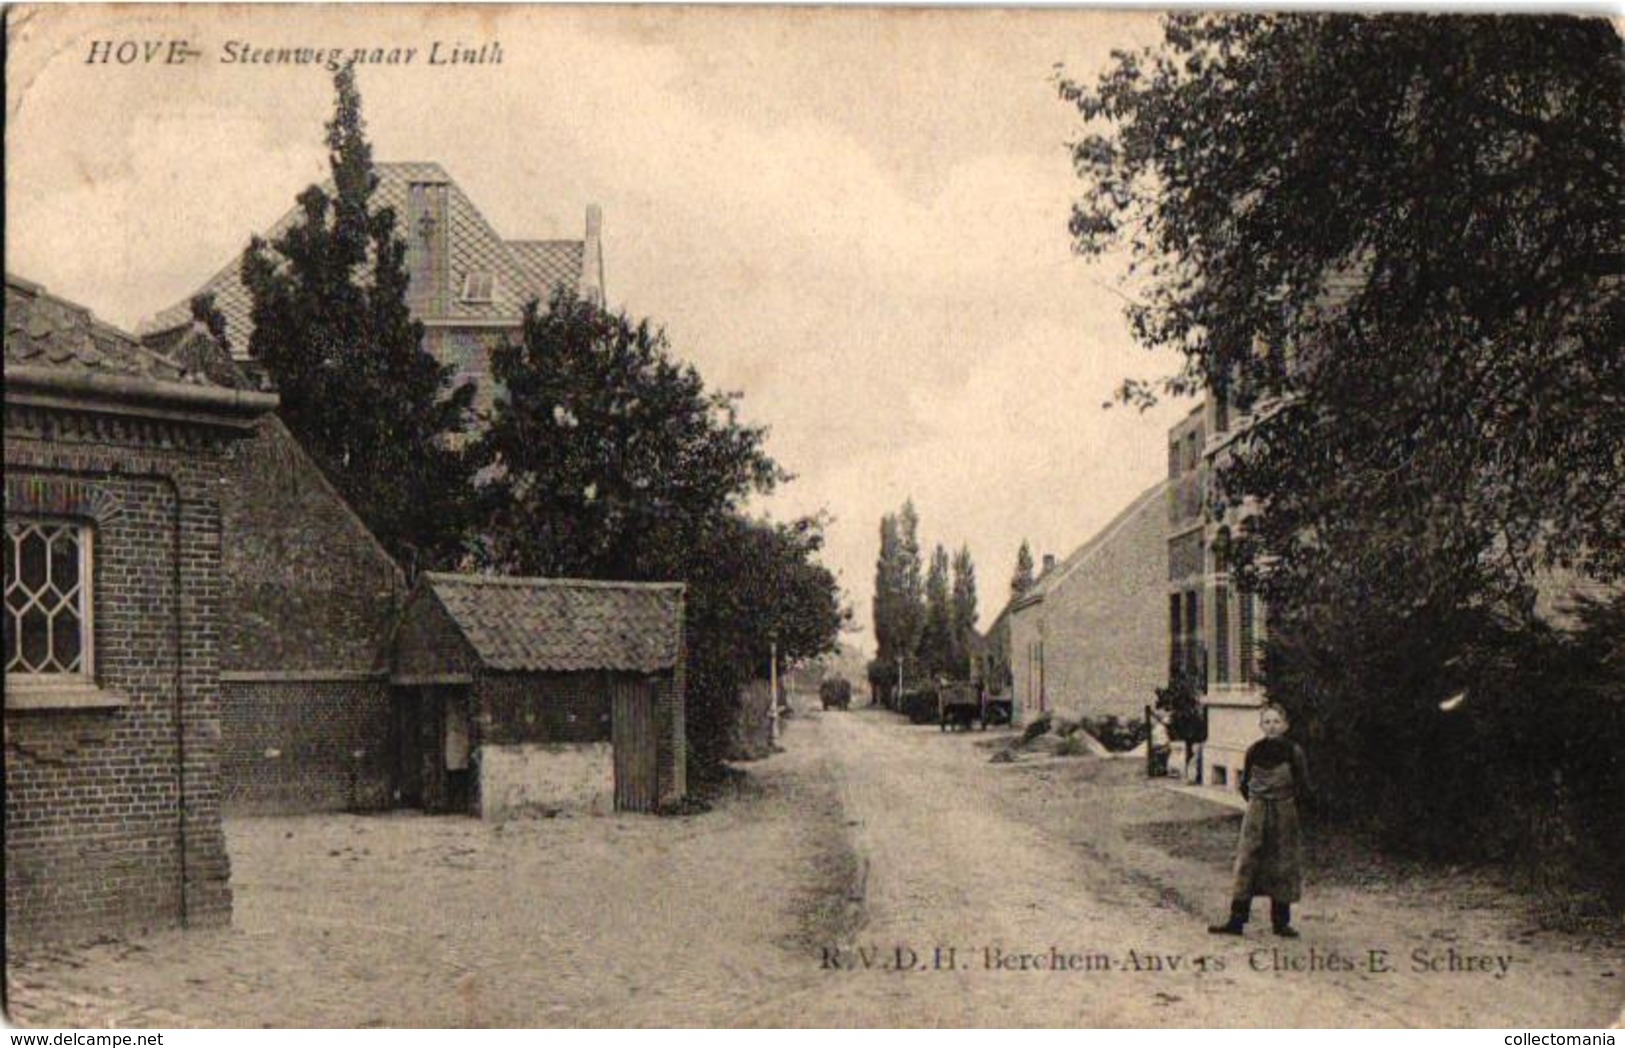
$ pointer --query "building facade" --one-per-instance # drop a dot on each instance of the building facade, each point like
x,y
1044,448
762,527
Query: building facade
x,y
1215,630
115,459
522,695
1091,627
467,285
310,601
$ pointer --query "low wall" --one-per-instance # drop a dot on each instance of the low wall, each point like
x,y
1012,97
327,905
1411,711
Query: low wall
x,y
1231,729
535,777
290,747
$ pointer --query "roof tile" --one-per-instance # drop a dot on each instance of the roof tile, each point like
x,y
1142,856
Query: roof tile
x,y
524,270
564,625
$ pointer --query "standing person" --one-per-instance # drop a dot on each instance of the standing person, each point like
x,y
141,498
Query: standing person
x,y
1269,858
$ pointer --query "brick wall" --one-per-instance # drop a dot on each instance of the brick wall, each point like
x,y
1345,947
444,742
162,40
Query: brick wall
x,y
307,587
543,707
97,836
1101,626
428,643
311,601
305,746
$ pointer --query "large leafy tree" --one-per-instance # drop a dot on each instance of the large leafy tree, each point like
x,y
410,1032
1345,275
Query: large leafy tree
x,y
605,446
610,459
331,327
1408,230
1397,241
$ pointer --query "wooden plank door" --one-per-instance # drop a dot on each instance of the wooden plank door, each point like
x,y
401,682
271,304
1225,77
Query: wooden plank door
x,y
633,713
408,703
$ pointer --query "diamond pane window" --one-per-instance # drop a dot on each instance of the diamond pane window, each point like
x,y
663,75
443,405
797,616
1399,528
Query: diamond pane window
x,y
47,599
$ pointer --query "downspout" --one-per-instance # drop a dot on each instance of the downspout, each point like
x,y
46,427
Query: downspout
x,y
180,695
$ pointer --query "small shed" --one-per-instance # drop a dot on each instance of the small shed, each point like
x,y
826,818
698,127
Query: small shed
x,y
516,695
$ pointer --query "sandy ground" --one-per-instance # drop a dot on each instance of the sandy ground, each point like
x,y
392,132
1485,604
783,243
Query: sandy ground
x,y
876,874
405,920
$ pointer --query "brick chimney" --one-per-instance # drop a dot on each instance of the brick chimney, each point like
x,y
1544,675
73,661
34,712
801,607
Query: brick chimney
x,y
592,257
427,234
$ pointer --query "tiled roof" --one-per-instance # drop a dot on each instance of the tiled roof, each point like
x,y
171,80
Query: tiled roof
x,y
549,263
523,270
43,330
1051,580
563,625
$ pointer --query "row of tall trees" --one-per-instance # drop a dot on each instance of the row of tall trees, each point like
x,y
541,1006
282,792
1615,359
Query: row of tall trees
x,y
925,623
604,456
1407,235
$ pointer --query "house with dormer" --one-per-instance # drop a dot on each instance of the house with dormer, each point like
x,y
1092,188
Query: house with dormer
x,y
469,285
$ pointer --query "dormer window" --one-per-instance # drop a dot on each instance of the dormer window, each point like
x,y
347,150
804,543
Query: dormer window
x,y
479,286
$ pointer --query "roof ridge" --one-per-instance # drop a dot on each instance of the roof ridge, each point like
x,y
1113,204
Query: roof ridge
x,y
543,581
1091,545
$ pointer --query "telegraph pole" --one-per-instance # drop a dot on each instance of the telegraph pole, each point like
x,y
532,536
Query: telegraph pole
x,y
773,692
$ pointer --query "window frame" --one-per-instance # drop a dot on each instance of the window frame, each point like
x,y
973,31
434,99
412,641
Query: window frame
x,y
75,688
469,294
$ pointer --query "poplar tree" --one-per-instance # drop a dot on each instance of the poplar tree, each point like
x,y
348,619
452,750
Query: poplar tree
x,y
358,389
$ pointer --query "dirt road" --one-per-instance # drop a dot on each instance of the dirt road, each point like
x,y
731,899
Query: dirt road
x,y
1056,916
876,874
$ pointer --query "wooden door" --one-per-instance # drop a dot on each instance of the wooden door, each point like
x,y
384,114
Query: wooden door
x,y
408,704
633,714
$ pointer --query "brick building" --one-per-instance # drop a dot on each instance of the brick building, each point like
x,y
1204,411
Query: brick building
x,y
1215,632
310,602
1088,638
468,285
115,457
518,694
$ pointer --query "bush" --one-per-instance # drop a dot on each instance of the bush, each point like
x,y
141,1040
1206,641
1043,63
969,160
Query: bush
x,y
1118,734
1524,772
1071,745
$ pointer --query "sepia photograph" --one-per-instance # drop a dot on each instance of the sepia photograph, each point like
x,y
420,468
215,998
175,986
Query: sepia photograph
x,y
620,516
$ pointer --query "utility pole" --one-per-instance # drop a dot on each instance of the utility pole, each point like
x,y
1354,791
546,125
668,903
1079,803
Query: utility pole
x,y
773,692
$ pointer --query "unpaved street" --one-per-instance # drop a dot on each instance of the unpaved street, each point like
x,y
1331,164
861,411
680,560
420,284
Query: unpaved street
x,y
1002,860
868,843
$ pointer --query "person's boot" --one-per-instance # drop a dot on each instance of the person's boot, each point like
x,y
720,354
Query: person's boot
x,y
1281,919
1239,911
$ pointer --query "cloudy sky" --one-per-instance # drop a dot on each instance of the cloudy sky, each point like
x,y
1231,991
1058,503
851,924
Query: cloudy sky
x,y
855,218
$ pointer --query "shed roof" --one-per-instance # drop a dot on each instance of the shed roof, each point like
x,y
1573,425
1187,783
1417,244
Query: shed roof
x,y
564,625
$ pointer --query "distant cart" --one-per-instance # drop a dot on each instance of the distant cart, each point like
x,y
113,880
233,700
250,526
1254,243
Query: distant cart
x,y
960,706
835,693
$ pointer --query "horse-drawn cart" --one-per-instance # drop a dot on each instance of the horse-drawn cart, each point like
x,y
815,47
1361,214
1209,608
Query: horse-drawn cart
x,y
960,705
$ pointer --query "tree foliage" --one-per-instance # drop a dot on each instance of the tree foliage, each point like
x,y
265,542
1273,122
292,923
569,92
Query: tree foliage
x,y
899,600
365,399
964,611
610,459
1403,235
1395,242
1021,580
936,647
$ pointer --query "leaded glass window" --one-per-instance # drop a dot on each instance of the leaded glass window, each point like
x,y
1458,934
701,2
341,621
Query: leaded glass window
x,y
47,626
